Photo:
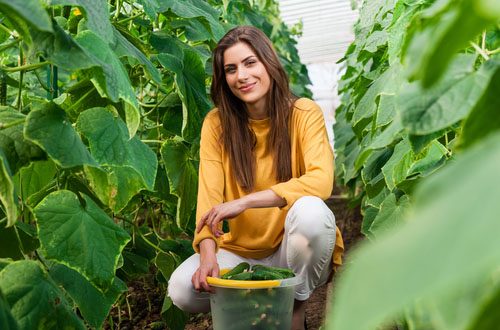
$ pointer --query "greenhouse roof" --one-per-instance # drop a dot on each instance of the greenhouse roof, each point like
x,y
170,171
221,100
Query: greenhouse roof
x,y
327,29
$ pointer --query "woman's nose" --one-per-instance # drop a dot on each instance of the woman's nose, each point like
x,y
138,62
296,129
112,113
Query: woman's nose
x,y
242,74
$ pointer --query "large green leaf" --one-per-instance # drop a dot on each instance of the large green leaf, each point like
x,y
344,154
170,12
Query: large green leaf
x,y
425,111
126,48
426,257
48,127
387,83
175,318
390,215
9,244
440,32
93,305
59,49
7,191
195,30
128,164
110,78
7,321
397,167
190,83
197,8
83,238
35,177
18,151
30,10
397,30
183,178
97,14
36,301
483,119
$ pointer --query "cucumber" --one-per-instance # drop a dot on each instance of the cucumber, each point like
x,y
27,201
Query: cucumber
x,y
243,276
236,270
286,273
260,275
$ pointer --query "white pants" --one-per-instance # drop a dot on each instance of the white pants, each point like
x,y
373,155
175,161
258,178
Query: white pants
x,y
306,249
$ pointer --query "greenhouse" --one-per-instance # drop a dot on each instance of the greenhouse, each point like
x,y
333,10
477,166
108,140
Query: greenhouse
x,y
249,164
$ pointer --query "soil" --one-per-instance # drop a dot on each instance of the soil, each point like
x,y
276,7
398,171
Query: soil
x,y
145,299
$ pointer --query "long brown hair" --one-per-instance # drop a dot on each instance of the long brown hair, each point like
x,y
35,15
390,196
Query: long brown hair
x,y
237,135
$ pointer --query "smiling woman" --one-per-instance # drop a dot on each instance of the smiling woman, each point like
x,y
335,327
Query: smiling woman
x,y
266,165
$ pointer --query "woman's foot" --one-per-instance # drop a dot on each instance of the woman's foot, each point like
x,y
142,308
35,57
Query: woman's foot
x,y
298,317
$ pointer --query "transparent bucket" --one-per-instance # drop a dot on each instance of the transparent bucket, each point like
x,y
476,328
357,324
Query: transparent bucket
x,y
243,305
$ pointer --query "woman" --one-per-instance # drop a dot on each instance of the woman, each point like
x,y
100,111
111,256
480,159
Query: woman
x,y
266,166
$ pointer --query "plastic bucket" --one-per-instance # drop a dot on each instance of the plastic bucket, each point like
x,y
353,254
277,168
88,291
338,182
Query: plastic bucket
x,y
243,305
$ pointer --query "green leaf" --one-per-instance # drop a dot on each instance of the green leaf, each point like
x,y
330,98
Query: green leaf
x,y
190,83
483,119
7,191
195,30
9,243
93,305
197,8
432,111
166,264
391,214
183,179
36,176
425,257
433,155
111,78
125,48
59,49
18,151
128,164
387,83
48,127
97,14
83,238
397,167
30,10
375,40
397,31
173,316
7,321
439,33
36,301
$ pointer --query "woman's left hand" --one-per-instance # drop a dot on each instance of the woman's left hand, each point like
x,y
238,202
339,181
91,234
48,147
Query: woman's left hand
x,y
221,212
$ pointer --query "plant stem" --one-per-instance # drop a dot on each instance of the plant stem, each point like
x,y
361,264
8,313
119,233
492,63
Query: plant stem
x,y
3,27
14,123
483,41
21,76
152,141
480,51
40,81
26,68
10,44
130,18
118,8
80,100
493,52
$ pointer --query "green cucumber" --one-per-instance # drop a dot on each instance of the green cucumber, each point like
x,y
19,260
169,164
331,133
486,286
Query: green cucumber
x,y
243,276
260,275
236,270
286,273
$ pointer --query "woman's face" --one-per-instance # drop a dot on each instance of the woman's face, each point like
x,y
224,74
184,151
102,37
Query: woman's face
x,y
246,76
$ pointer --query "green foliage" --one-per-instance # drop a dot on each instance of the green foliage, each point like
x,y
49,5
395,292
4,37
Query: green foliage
x,y
102,106
417,140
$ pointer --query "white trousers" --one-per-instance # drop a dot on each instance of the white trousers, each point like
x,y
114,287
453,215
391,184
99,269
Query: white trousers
x,y
306,249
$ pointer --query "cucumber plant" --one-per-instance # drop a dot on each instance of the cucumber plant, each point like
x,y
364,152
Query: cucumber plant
x,y
101,105
417,137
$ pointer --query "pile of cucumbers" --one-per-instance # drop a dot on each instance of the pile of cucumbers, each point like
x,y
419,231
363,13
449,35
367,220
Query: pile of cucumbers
x,y
242,272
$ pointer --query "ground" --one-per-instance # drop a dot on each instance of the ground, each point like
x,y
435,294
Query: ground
x,y
144,301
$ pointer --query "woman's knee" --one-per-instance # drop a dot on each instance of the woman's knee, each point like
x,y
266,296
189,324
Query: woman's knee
x,y
310,216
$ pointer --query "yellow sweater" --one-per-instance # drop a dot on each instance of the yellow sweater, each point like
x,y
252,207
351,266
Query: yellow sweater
x,y
257,233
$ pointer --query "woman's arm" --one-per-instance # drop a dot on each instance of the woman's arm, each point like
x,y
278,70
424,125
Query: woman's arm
x,y
229,210
208,266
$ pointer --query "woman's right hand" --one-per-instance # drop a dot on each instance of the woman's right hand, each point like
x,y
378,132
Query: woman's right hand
x,y
208,266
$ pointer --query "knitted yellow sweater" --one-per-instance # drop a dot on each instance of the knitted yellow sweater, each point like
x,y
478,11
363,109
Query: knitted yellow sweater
x,y
257,233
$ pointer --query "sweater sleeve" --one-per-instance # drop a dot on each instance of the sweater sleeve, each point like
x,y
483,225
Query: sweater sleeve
x,y
317,180
211,176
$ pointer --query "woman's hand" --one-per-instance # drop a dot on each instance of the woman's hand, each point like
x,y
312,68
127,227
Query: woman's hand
x,y
208,266
221,212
